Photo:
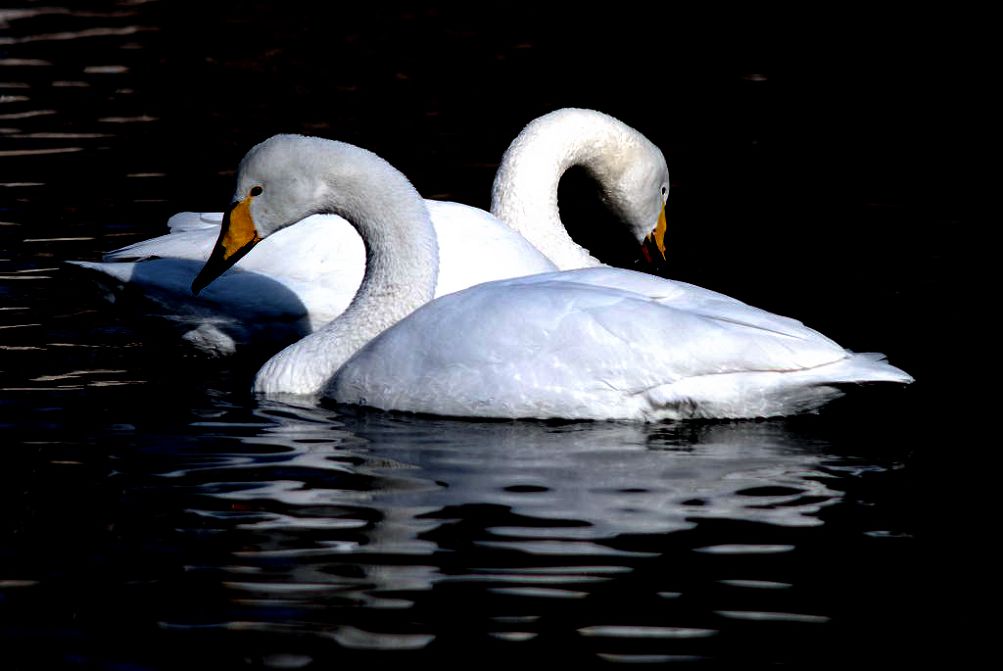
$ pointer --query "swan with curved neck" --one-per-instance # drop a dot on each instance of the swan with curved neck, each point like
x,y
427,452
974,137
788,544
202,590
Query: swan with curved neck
x,y
289,177
592,343
302,278
628,168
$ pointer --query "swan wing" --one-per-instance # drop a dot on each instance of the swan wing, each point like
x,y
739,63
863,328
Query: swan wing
x,y
191,236
685,297
580,345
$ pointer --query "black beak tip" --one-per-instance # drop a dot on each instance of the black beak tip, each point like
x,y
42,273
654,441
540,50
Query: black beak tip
x,y
652,259
198,284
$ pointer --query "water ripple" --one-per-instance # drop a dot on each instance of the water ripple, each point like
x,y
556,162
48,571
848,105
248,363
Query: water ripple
x,y
614,631
85,33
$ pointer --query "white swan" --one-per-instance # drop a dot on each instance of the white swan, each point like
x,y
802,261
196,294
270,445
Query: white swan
x,y
593,343
300,279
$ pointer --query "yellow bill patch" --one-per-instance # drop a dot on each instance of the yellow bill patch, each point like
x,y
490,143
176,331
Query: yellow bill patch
x,y
657,236
236,237
240,230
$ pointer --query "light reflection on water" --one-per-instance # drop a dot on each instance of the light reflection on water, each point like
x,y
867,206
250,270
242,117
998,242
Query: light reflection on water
x,y
307,507
598,480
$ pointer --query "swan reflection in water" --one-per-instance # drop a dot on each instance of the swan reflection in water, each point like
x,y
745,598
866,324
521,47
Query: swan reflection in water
x,y
309,492
605,478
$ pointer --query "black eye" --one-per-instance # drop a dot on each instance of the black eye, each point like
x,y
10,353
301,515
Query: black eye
x,y
255,191
665,191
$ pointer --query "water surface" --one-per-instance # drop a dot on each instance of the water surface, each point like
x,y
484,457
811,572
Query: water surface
x,y
156,516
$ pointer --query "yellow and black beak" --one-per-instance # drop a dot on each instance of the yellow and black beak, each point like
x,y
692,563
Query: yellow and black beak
x,y
653,246
236,237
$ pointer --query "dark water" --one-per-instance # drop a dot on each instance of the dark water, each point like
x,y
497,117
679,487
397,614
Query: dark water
x,y
155,516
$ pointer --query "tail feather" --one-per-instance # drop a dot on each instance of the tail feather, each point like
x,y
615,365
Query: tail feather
x,y
865,367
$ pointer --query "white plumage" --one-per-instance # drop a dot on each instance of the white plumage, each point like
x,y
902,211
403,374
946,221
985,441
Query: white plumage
x,y
596,343
600,343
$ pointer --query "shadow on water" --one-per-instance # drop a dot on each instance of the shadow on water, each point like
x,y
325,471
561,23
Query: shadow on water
x,y
158,292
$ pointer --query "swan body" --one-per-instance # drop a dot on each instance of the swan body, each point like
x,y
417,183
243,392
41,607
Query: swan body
x,y
599,343
302,278
594,343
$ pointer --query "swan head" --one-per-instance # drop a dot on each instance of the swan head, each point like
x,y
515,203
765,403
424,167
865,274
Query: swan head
x,y
636,189
629,169
277,185
280,181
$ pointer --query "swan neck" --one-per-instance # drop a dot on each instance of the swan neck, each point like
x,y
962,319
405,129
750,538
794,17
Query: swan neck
x,y
400,276
524,194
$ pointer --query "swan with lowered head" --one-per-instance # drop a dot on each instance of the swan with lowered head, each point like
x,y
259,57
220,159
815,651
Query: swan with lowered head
x,y
301,278
593,343
629,170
